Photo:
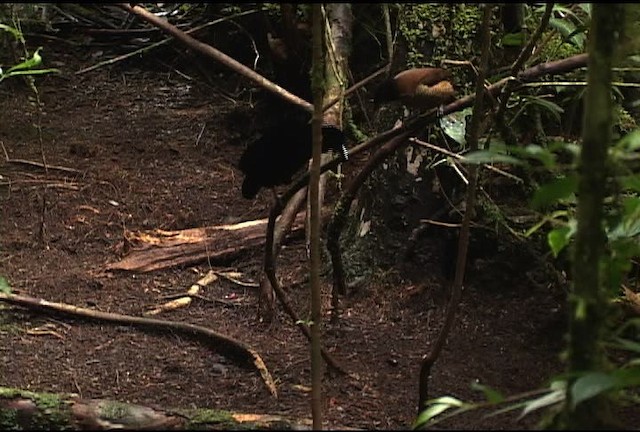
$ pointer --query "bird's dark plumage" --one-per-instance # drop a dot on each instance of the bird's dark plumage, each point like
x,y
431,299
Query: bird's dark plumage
x,y
281,152
423,88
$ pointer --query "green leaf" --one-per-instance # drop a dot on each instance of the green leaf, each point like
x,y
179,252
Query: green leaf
x,y
586,7
513,40
630,182
589,386
28,72
629,223
551,107
569,31
31,63
626,377
34,61
436,407
490,156
556,395
493,396
455,126
569,146
14,32
558,239
4,286
627,344
554,191
630,142
542,154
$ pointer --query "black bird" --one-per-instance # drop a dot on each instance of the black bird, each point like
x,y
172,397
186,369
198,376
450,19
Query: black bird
x,y
281,152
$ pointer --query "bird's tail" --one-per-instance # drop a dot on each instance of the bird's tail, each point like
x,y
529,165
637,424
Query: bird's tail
x,y
333,139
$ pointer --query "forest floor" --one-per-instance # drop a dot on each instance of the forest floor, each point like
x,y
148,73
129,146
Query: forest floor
x,y
154,150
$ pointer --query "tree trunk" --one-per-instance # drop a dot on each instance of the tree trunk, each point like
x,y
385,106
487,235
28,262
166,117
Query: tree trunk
x,y
317,86
589,298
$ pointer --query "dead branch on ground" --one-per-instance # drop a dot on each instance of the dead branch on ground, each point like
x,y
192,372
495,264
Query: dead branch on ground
x,y
226,345
184,300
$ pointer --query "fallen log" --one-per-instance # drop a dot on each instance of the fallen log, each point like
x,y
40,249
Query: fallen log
x,y
25,410
159,249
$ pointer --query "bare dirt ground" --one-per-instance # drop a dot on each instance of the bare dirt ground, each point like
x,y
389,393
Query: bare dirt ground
x,y
153,149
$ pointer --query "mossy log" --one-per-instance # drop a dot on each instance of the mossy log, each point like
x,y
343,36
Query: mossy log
x,y
25,410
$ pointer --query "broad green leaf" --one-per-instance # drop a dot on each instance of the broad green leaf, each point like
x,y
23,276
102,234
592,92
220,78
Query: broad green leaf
x,y
554,191
589,386
628,225
490,156
558,239
568,31
493,396
455,126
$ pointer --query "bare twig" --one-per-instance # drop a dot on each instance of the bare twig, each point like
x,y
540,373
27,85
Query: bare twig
x,y
387,31
355,87
253,43
439,223
43,166
226,344
231,277
528,49
463,159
